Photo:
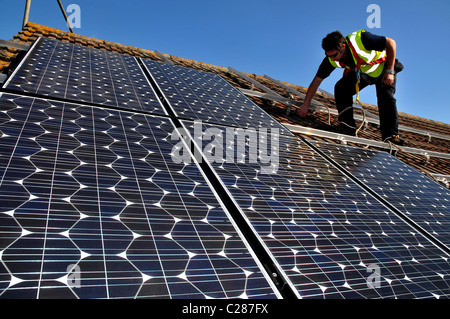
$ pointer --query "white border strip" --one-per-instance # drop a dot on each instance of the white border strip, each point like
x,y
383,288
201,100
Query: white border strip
x,y
364,141
21,63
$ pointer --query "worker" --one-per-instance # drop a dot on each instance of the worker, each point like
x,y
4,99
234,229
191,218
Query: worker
x,y
368,59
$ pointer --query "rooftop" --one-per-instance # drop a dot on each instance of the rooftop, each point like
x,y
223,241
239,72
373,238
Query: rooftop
x,y
91,180
423,135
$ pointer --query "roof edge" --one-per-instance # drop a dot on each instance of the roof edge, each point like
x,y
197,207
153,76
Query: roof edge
x,y
32,30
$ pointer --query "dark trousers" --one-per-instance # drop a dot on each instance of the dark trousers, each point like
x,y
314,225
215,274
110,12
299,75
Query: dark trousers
x,y
387,104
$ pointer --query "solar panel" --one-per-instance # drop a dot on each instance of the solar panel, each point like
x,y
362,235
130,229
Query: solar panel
x,y
330,238
199,95
419,198
99,197
92,205
84,74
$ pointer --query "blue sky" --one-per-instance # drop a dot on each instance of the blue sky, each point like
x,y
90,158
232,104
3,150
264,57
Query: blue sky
x,y
280,38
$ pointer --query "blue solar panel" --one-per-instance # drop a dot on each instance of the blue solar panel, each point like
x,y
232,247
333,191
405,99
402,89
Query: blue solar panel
x,y
331,238
99,197
92,205
83,74
199,95
418,197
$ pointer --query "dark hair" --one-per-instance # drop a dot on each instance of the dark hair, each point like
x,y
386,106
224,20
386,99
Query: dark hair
x,y
333,41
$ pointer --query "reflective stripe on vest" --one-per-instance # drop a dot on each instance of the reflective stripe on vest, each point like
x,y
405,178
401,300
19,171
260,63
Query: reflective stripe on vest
x,y
370,62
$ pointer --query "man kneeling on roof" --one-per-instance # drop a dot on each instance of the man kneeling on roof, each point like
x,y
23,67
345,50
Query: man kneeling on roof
x,y
368,59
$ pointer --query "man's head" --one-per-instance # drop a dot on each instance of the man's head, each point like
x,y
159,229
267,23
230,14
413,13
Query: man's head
x,y
334,45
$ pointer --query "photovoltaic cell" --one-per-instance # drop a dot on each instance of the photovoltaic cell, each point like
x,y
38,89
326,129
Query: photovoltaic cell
x,y
330,238
92,205
418,197
199,95
100,202
83,74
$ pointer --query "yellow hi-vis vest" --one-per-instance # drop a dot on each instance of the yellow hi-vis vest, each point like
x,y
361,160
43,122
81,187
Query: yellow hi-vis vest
x,y
370,62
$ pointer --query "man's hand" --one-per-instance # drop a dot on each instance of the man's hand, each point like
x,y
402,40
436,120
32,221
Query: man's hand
x,y
302,110
312,89
388,79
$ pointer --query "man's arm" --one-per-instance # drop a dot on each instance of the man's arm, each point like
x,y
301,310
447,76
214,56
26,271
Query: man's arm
x,y
312,89
380,43
391,52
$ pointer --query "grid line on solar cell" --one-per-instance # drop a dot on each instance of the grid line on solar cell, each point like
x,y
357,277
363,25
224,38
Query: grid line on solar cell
x,y
422,200
325,232
199,95
84,74
113,207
